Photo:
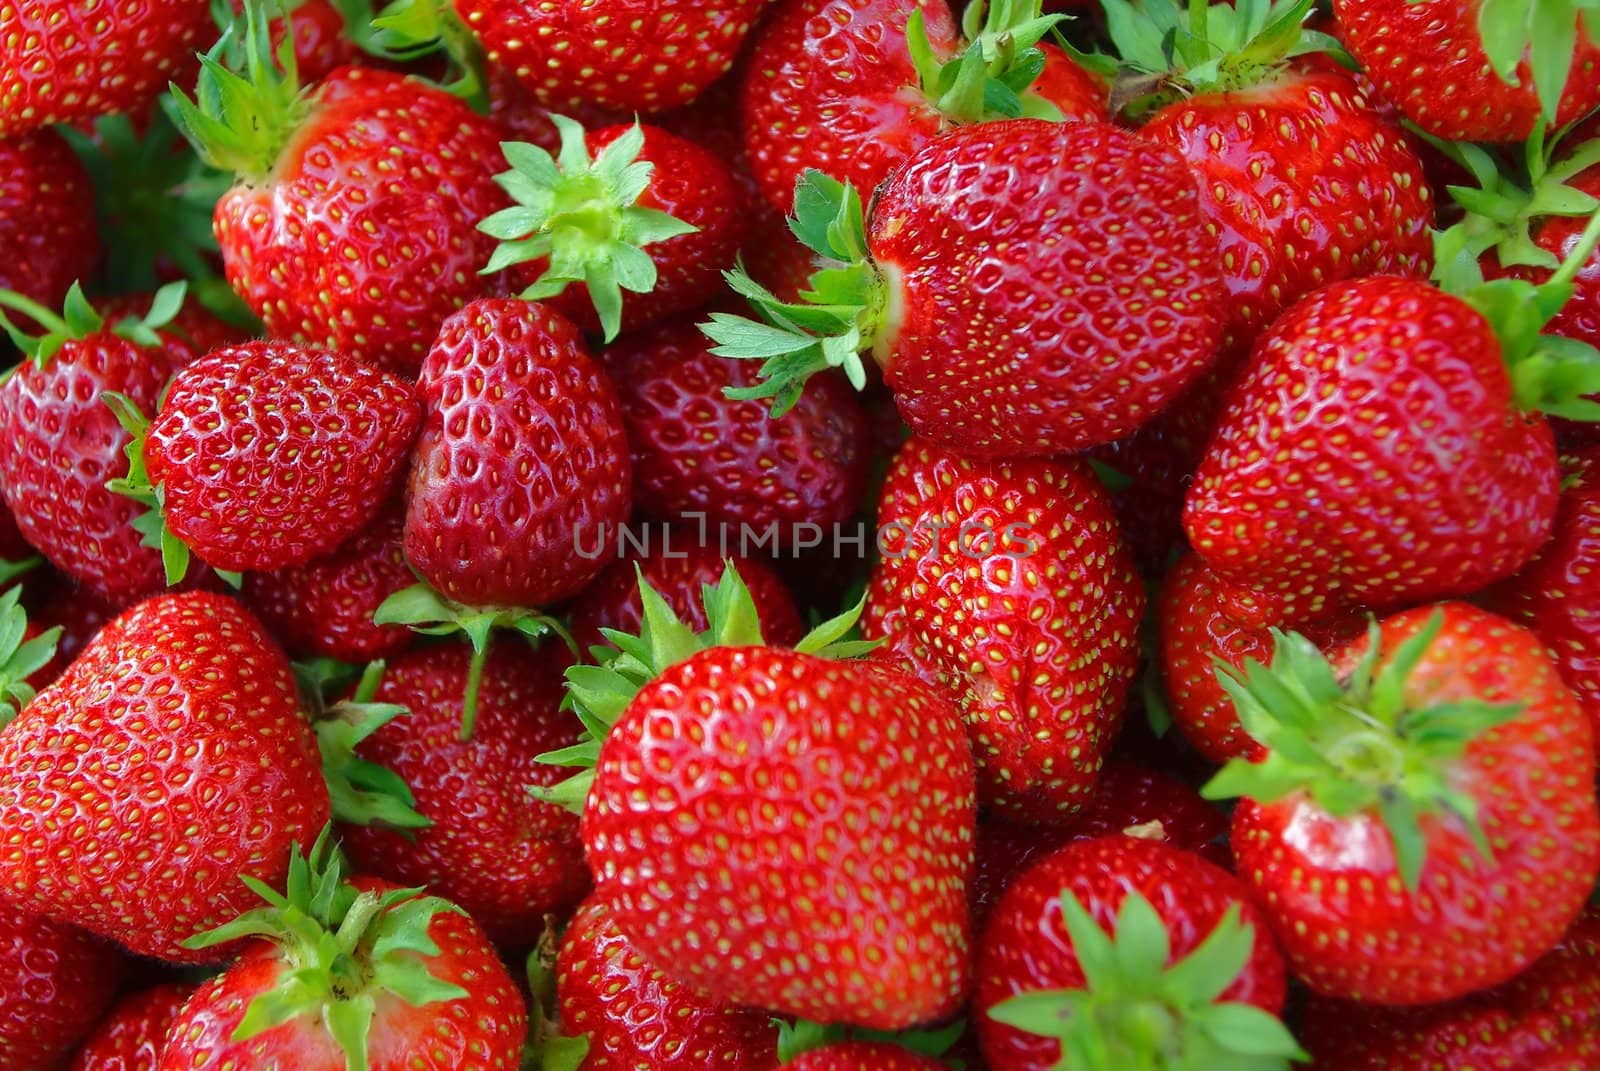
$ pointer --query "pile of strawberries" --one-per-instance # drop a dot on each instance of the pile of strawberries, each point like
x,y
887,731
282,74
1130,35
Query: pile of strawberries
x,y
843,535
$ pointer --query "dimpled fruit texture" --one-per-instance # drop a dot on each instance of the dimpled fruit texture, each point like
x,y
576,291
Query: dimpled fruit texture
x,y
1008,583
47,218
863,1056
521,470
1053,285
55,981
791,832
366,238
168,761
270,454
132,1036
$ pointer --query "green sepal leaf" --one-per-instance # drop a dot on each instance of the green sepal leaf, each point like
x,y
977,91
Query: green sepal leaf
x,y
151,524
363,792
20,657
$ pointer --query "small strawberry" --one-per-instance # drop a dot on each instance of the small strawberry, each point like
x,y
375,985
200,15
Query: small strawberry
x,y
180,722
1007,583
55,983
48,236
1121,952
349,974
1421,822
992,285
133,1035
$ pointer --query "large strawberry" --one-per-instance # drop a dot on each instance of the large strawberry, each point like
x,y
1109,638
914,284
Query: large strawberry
x,y
55,982
1007,583
48,236
133,1035
168,761
351,973
1421,822
835,797
995,285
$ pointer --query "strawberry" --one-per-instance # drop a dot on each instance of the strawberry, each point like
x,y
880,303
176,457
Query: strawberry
x,y
268,454
61,64
48,236
863,1056
351,973
133,1035
508,860
1422,821
992,256
55,982
785,768
649,213
1126,952
1007,583
836,86
352,225
193,331
1473,71
636,1015
699,453
322,43
180,723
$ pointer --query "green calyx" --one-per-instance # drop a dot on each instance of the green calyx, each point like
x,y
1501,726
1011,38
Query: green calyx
x,y
20,657
1169,52
408,30
341,948
583,215
1357,745
1136,1013
242,123
363,793
1543,31
800,1037
844,313
990,78
601,693
78,320
430,613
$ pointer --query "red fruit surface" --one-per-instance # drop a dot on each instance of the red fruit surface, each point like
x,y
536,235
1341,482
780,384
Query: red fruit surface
x,y
863,1056
48,235
80,615
522,465
321,44
55,982
168,761
193,333
132,1037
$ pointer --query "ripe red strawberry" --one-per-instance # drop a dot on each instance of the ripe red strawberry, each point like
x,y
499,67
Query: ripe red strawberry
x,y
647,212
322,43
133,1036
353,223
193,331
62,64
1007,583
1376,452
991,285
180,722
863,1056
80,616
48,236
698,453
802,776
852,88
55,983
1423,822
637,1015
1462,71
1092,940
507,859
1545,1019
679,569
350,973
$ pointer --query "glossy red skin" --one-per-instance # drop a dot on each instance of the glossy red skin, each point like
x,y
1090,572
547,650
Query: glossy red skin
x,y
698,452
48,235
328,252
193,333
132,1036
60,443
505,857
1545,1019
790,832
321,45
1195,631
483,1031
679,569
830,85
1304,184
55,982
637,1015
65,64
1428,59
521,462
1331,888
1024,325
863,1056
992,623
632,55
1025,946
1385,407
81,617
271,454
324,608
180,726
521,118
